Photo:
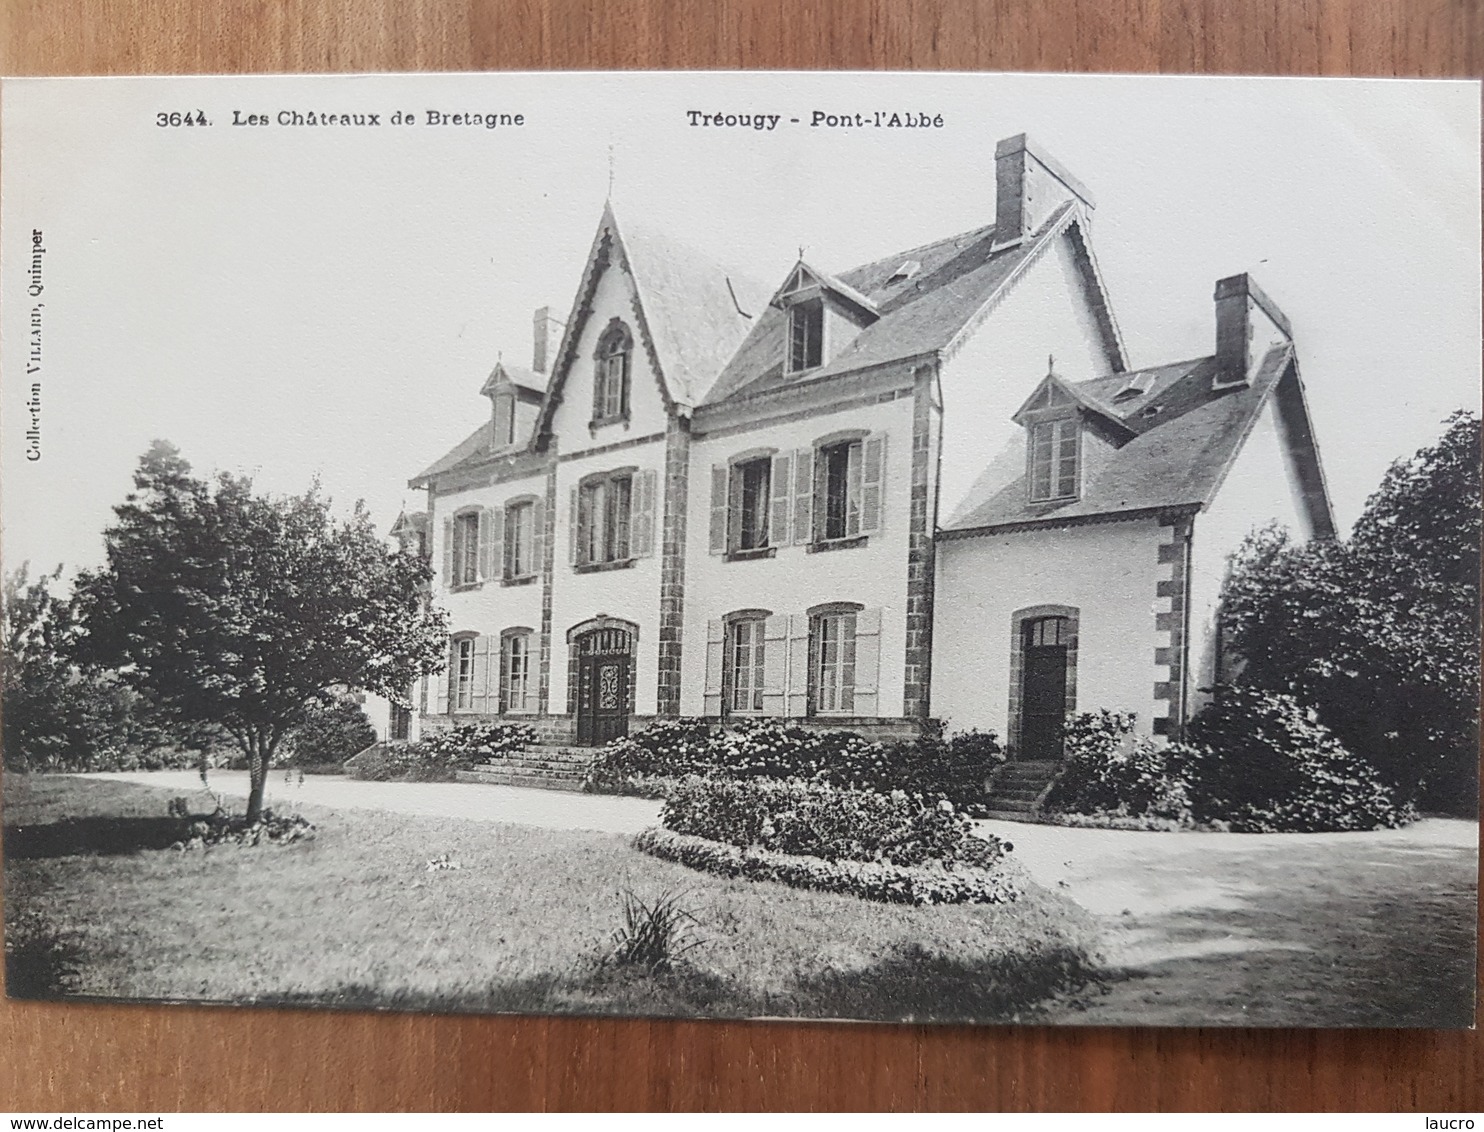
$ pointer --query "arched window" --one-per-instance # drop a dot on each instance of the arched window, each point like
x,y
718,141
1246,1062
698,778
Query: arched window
x,y
611,374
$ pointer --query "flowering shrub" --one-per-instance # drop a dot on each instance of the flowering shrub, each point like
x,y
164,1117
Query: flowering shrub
x,y
818,820
479,742
666,749
1258,761
647,763
883,881
222,828
1108,770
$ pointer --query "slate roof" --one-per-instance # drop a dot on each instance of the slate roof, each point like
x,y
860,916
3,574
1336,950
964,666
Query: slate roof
x,y
693,307
1177,458
525,378
474,446
922,314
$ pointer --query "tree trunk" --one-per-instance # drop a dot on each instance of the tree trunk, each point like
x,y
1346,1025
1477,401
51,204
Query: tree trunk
x,y
257,770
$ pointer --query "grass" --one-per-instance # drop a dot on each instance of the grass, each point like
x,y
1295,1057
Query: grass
x,y
526,922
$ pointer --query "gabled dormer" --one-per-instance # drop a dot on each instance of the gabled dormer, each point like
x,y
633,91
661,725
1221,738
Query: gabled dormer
x,y
1067,434
823,317
515,392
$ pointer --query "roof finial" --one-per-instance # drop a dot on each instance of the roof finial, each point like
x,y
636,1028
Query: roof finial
x,y
1050,365
801,253
610,171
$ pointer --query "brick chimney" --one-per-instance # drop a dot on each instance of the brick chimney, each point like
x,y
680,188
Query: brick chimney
x,y
1248,324
546,333
1030,185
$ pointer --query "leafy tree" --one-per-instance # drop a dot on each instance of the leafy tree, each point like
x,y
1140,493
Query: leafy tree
x,y
243,611
1380,633
56,715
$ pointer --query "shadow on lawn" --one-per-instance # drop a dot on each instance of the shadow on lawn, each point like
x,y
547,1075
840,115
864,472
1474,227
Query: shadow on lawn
x,y
912,986
93,836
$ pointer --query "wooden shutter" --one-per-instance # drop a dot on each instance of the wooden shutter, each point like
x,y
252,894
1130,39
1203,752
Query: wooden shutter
x,y
448,553
873,481
867,662
798,664
718,544
716,636
853,490
780,481
479,692
803,497
538,536
642,502
775,665
492,542
441,682
533,678
574,531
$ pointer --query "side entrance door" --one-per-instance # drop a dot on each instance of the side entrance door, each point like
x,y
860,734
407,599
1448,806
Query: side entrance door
x,y
1043,687
604,658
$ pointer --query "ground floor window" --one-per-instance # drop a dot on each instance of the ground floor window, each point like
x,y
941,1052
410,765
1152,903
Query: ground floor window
x,y
463,674
744,666
832,647
515,669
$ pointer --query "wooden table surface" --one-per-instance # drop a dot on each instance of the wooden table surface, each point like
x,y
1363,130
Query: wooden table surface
x,y
145,1059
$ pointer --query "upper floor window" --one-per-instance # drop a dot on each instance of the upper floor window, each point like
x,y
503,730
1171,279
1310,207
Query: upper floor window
x,y
465,549
603,519
832,667
749,498
611,374
520,540
839,496
1054,450
805,335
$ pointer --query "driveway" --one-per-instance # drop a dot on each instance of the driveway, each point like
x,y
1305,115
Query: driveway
x,y
1318,929
1322,929
549,809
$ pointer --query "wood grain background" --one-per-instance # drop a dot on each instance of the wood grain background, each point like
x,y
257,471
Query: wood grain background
x,y
163,1059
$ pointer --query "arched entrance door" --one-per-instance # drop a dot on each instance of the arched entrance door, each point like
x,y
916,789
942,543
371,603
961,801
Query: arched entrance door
x,y
1045,645
604,659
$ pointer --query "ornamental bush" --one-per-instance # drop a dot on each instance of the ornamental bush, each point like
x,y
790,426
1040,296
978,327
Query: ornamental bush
x,y
1109,771
1257,761
330,734
883,881
818,820
479,742
666,749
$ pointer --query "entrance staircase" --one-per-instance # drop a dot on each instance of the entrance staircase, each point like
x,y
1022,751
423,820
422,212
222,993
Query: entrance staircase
x,y
541,767
1016,789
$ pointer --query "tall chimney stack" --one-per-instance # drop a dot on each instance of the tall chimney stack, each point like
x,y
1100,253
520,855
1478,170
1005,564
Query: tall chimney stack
x,y
546,334
1030,185
1248,324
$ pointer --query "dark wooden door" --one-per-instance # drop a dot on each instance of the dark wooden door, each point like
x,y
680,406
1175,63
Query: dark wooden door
x,y
1043,688
604,658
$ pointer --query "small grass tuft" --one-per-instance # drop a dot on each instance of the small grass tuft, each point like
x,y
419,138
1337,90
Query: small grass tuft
x,y
654,935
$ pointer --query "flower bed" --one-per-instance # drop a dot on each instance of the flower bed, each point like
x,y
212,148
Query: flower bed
x,y
880,881
439,755
818,820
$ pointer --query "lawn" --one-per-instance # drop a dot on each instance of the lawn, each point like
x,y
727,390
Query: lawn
x,y
101,907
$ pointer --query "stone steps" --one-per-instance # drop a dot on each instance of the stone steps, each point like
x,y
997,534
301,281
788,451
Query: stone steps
x,y
540,768
1016,788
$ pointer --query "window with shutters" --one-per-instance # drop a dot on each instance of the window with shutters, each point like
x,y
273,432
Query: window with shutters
x,y
849,480
805,335
745,666
832,662
520,541
1054,450
611,374
603,519
749,504
517,678
465,549
462,674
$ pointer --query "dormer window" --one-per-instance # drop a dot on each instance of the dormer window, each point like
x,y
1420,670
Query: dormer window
x,y
504,419
1055,447
611,374
805,335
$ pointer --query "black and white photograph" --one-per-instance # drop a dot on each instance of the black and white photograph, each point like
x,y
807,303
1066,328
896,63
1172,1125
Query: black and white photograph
x,y
959,548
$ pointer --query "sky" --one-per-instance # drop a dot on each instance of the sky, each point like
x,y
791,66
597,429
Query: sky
x,y
302,302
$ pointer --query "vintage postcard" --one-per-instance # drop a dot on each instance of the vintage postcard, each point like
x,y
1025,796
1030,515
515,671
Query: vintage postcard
x,y
896,547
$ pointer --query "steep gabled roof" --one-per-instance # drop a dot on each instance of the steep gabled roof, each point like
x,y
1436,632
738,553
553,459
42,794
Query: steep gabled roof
x,y
1186,436
928,311
519,376
477,444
